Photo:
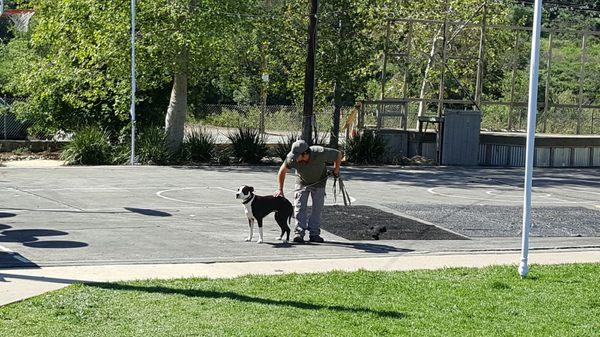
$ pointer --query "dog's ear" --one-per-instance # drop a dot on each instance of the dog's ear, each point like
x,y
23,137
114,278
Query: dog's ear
x,y
251,189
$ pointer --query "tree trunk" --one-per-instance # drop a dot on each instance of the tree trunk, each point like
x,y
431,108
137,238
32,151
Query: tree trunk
x,y
309,75
176,113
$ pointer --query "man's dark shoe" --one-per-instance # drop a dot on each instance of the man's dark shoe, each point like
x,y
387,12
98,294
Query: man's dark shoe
x,y
298,238
316,239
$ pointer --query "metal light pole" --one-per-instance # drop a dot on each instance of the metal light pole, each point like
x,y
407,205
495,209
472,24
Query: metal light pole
x,y
531,124
133,84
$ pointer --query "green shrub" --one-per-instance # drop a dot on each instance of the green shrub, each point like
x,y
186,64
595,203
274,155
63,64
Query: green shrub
x,y
21,150
199,146
285,146
365,148
121,153
248,146
234,118
90,146
223,156
283,120
152,147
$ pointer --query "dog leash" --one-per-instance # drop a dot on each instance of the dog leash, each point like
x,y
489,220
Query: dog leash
x,y
338,185
337,180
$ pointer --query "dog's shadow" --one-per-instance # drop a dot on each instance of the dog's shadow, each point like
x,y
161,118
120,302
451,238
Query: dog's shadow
x,y
280,244
365,247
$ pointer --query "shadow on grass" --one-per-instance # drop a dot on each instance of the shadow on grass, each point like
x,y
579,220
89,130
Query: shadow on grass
x,y
247,299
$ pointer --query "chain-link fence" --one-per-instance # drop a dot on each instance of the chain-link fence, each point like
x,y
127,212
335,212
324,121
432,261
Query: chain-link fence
x,y
567,121
278,119
282,119
10,127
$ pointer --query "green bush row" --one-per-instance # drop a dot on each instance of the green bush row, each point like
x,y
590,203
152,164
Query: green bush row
x,y
92,146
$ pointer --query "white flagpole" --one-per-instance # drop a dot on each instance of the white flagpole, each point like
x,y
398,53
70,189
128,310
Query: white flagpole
x,y
531,125
133,84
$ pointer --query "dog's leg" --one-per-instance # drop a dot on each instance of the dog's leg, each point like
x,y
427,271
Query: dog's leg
x,y
281,221
260,231
250,225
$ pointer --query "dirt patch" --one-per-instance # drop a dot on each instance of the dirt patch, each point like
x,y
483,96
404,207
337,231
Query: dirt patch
x,y
28,155
23,158
368,223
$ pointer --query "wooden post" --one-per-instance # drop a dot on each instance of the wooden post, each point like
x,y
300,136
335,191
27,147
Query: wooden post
x,y
581,80
548,84
406,70
512,82
385,52
480,62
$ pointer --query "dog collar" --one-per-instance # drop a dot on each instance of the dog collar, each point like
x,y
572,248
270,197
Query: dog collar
x,y
245,201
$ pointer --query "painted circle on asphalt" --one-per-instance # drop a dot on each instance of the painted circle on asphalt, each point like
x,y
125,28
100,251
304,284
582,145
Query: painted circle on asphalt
x,y
488,194
171,194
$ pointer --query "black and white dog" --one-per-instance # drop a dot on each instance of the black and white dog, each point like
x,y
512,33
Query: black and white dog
x,y
257,207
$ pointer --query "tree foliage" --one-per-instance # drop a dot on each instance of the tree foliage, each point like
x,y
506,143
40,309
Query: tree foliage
x,y
72,69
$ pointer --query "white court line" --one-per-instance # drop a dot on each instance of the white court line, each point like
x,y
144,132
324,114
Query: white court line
x,y
560,201
6,250
226,189
497,193
160,195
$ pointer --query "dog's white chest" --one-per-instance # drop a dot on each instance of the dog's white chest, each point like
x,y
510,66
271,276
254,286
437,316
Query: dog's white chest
x,y
248,210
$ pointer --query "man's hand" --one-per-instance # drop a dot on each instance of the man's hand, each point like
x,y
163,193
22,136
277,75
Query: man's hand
x,y
336,172
278,193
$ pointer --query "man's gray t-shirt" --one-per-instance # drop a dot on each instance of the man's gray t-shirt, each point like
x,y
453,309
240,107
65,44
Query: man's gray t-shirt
x,y
315,171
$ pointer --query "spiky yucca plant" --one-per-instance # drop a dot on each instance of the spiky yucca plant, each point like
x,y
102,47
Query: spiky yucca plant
x,y
248,146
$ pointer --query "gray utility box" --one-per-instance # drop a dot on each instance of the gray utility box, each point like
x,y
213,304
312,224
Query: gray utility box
x,y
460,142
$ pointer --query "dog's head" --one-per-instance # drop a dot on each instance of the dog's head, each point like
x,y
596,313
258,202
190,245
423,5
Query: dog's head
x,y
244,192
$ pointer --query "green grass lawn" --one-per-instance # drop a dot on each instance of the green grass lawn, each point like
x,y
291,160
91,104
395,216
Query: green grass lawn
x,y
561,300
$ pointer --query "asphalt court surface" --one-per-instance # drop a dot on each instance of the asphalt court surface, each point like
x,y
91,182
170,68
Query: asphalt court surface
x,y
115,215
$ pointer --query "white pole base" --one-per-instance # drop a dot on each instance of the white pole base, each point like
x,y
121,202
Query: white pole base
x,y
523,268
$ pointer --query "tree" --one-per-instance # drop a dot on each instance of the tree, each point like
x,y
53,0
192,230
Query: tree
x,y
80,72
183,38
346,53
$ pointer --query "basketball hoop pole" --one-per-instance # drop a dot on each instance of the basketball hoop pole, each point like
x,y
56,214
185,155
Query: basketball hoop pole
x,y
531,125
133,83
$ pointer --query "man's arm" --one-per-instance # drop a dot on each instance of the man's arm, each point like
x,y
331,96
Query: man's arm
x,y
280,180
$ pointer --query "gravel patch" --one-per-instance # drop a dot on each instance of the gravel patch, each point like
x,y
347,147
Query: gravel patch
x,y
506,221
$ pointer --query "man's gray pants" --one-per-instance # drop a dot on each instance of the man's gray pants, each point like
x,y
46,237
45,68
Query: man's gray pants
x,y
313,225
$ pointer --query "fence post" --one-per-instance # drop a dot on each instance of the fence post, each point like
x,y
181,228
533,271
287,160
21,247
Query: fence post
x,y
581,80
592,123
548,83
512,83
480,58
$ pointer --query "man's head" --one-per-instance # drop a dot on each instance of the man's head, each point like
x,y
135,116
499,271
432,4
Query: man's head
x,y
300,152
